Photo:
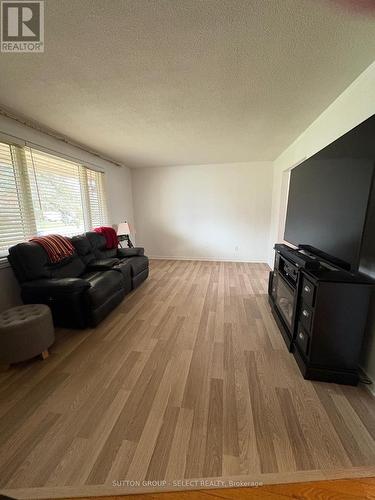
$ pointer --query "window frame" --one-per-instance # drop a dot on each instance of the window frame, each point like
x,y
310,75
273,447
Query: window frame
x,y
21,170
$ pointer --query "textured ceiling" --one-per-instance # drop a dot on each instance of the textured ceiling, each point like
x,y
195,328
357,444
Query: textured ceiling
x,y
172,82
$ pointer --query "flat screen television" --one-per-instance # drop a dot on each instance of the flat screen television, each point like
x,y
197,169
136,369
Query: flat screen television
x,y
330,196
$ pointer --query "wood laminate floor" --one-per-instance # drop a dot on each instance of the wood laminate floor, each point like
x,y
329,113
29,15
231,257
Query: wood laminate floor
x,y
188,378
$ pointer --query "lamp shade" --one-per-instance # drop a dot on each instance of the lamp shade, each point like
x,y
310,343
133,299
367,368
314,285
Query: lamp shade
x,y
123,229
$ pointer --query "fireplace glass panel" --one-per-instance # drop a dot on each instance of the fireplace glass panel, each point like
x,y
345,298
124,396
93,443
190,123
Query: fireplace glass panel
x,y
284,298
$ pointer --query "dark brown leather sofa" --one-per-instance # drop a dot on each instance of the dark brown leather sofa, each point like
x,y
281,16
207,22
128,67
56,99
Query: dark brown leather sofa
x,y
82,289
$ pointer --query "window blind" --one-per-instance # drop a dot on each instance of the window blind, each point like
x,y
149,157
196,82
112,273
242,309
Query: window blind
x,y
96,198
56,194
16,223
42,194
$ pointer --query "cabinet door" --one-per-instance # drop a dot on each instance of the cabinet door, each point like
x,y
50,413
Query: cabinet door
x,y
273,285
308,292
303,339
305,316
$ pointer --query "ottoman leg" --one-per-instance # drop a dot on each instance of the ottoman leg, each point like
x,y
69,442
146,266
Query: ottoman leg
x,y
45,354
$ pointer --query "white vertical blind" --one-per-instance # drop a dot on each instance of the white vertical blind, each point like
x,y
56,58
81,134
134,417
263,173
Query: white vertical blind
x,y
43,194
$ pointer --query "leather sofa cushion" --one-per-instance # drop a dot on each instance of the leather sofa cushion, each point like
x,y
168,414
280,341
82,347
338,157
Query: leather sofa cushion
x,y
83,248
31,262
103,285
68,268
137,264
98,244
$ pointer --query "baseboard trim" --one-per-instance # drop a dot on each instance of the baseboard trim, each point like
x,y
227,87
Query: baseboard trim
x,y
206,259
190,484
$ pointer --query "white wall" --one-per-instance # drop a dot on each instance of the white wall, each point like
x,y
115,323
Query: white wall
x,y
217,212
119,193
353,106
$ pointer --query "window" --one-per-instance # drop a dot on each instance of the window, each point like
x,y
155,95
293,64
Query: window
x,y
56,194
42,194
95,197
11,229
16,223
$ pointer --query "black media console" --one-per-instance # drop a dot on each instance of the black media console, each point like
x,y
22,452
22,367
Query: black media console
x,y
321,310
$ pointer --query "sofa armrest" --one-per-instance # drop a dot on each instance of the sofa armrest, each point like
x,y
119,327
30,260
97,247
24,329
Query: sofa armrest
x,y
58,285
130,252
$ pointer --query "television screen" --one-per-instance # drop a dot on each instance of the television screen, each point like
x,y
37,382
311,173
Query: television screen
x,y
329,195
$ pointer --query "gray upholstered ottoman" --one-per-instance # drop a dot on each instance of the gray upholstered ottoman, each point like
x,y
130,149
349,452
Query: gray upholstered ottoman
x,y
25,332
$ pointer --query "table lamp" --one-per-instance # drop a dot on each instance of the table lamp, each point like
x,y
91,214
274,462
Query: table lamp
x,y
123,232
